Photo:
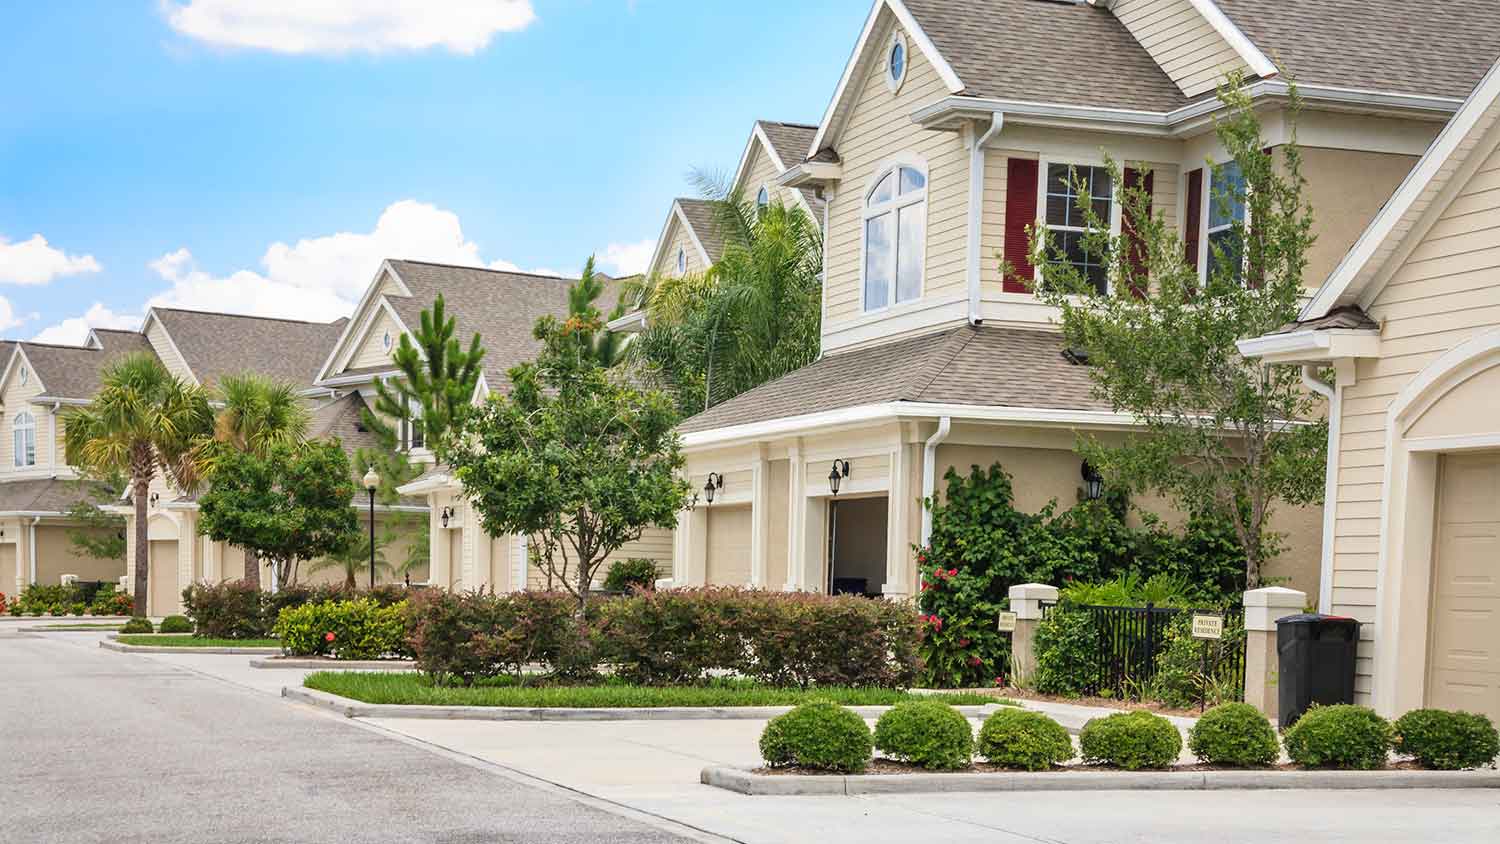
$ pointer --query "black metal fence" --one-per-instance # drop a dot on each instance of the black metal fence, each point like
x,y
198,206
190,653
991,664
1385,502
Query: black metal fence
x,y
1132,640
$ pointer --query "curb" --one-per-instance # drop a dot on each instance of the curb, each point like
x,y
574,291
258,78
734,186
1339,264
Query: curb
x,y
742,781
355,709
334,664
81,628
112,645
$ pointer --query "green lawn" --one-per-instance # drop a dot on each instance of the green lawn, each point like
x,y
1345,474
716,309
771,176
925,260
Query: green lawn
x,y
385,687
186,640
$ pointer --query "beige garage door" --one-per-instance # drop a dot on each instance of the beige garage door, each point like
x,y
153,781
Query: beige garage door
x,y
162,578
1464,668
729,546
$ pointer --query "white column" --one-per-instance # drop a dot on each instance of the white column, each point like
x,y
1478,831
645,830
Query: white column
x,y
695,571
796,518
760,517
477,566
898,524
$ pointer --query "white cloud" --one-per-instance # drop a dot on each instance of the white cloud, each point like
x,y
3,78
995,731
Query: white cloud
x,y
624,259
242,292
346,26
507,266
73,331
35,262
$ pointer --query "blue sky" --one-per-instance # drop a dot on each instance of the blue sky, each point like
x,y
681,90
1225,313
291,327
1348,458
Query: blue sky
x,y
248,155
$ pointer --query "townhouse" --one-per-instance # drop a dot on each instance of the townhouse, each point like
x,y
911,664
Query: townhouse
x,y
952,129
1409,323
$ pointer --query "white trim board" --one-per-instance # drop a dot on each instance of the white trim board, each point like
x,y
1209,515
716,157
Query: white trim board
x,y
364,302
676,213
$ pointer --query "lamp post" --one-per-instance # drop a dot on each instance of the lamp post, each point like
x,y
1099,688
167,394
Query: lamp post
x,y
372,482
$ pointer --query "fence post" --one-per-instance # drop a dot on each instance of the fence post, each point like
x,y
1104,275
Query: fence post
x,y
1026,602
1262,608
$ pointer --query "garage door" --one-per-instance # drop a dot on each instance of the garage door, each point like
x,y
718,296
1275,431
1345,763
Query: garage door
x,y
1464,669
729,546
161,578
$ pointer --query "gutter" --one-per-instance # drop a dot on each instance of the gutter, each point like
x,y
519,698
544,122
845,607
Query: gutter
x,y
976,210
929,474
1335,394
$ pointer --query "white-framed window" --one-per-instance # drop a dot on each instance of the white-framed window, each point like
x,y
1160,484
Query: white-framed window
x,y
1059,195
411,433
386,341
25,376
762,201
897,58
24,439
1226,206
895,238
681,261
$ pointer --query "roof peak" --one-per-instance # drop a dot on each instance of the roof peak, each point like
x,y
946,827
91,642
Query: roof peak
x,y
482,269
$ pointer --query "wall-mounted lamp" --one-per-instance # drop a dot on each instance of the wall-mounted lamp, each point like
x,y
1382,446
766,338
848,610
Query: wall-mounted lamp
x,y
447,514
1093,482
837,474
715,483
155,497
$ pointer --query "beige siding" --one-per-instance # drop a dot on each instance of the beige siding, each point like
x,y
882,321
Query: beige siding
x,y
1445,292
677,237
1181,41
879,127
17,398
762,172
371,350
161,343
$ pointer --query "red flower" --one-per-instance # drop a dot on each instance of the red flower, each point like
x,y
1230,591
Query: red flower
x,y
328,637
937,623
1000,681
975,661
952,572
926,584
963,643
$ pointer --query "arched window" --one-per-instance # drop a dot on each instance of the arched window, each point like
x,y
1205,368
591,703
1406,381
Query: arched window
x,y
895,237
762,201
24,434
681,261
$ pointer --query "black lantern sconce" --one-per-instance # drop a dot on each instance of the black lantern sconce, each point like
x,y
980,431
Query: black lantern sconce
x,y
155,497
1093,482
715,483
837,474
447,514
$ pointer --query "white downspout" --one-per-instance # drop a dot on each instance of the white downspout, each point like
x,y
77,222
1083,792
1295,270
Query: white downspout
x,y
929,474
827,193
1335,395
976,210
31,543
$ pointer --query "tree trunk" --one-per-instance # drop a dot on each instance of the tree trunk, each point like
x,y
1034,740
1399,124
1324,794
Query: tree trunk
x,y
252,568
142,547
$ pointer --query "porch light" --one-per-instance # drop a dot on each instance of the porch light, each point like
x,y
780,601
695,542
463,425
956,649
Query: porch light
x,y
447,514
715,483
1093,482
837,474
155,497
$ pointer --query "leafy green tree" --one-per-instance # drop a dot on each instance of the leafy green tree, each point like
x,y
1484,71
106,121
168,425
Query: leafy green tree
x,y
1223,434
289,505
354,559
142,420
95,532
753,317
573,457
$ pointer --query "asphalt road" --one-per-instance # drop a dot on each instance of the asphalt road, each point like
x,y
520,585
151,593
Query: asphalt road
x,y
105,747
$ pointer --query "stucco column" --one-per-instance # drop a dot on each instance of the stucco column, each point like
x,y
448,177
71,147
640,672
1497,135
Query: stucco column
x,y
695,573
477,566
440,544
898,526
1262,608
760,517
796,518
1026,602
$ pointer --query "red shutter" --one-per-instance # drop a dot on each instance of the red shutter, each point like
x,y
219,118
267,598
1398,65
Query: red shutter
x,y
1135,248
1020,212
1193,222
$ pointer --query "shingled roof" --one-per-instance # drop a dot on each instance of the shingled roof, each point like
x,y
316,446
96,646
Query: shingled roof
x,y
703,219
1002,367
73,372
216,344
49,495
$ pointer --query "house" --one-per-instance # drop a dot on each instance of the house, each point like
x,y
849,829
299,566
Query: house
x,y
952,129
1409,326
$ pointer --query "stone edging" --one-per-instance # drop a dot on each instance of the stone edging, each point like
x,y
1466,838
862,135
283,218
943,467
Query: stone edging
x,y
334,664
355,709
111,645
743,781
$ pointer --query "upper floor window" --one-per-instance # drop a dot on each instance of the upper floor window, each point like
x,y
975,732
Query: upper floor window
x,y
411,433
24,434
762,201
681,261
386,341
895,63
1226,207
1065,187
895,219
25,376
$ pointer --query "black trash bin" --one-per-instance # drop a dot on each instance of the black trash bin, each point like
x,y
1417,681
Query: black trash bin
x,y
1316,655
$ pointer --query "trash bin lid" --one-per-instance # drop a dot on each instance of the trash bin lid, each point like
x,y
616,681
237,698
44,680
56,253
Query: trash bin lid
x,y
1304,618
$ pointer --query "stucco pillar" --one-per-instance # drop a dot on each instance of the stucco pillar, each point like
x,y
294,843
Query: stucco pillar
x,y
477,566
898,526
695,572
1026,601
1262,608
796,517
760,517
440,544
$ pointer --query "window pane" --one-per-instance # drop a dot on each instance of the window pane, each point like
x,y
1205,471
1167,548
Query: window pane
x,y
1057,210
912,180
1227,199
30,446
898,61
1058,180
911,229
879,261
18,447
884,191
1227,242
1101,185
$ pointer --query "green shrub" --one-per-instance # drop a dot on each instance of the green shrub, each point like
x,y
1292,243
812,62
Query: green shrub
x,y
821,736
1020,738
1447,741
138,625
1181,680
471,636
230,610
1341,736
1130,740
40,599
358,629
1066,647
1234,734
110,601
626,575
930,734
78,608
175,624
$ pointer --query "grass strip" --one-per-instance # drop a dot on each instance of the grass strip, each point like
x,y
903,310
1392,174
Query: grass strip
x,y
189,641
401,688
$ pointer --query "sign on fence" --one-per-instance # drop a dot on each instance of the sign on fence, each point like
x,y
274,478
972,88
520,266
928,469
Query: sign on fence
x,y
1007,622
1208,627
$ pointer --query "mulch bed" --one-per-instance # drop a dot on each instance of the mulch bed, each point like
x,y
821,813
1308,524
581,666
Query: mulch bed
x,y
888,767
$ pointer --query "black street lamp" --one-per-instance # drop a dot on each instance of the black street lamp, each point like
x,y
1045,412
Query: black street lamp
x,y
1093,482
372,482
837,474
715,483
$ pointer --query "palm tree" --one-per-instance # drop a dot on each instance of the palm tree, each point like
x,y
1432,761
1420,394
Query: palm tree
x,y
255,415
354,560
142,420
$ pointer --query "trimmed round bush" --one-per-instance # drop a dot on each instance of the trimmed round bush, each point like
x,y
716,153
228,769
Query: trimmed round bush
x,y
1234,734
1340,736
629,574
818,735
1020,738
927,733
1130,740
1447,741
175,624
138,625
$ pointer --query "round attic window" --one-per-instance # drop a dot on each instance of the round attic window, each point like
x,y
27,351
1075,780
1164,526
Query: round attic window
x,y
385,341
895,63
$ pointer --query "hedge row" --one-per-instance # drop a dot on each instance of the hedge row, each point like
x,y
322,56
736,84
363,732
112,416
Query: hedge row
x,y
238,609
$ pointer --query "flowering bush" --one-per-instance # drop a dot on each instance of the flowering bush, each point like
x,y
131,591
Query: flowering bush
x,y
109,601
357,629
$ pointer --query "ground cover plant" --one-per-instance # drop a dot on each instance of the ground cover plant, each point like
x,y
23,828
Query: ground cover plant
x,y
1130,740
1447,741
1341,736
1019,738
819,735
413,688
927,733
184,641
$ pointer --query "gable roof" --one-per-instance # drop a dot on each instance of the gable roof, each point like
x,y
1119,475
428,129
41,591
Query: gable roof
x,y
787,141
696,216
214,344
73,372
53,496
